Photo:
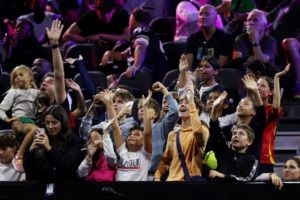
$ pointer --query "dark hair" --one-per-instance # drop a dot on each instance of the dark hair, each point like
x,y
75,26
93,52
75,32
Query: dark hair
x,y
154,105
270,82
212,61
136,128
247,129
60,114
296,159
7,139
66,5
141,15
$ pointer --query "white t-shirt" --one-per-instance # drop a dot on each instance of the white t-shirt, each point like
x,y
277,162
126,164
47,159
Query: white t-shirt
x,y
132,166
8,173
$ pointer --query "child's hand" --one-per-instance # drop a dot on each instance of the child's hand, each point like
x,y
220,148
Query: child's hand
x,y
9,120
72,85
250,83
183,63
220,100
284,72
213,174
159,87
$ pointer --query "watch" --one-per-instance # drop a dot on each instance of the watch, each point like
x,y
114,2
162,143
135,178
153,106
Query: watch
x,y
254,44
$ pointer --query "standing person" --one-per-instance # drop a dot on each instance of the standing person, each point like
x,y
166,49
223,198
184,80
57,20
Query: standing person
x,y
20,99
192,137
209,41
267,88
136,152
8,149
54,154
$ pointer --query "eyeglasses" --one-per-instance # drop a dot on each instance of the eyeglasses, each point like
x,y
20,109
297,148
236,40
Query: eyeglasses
x,y
53,123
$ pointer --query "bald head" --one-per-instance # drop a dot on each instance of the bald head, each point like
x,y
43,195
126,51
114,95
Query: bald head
x,y
207,16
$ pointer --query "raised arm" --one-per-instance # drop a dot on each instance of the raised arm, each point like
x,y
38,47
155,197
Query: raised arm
x,y
183,67
276,92
81,108
201,133
59,74
216,106
107,98
147,124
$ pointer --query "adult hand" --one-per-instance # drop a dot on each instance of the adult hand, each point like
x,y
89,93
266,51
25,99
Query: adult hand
x,y
107,57
131,71
55,31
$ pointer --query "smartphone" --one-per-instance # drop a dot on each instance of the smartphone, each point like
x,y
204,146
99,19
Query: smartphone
x,y
49,189
40,131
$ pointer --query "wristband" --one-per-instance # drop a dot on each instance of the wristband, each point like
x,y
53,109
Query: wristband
x,y
54,46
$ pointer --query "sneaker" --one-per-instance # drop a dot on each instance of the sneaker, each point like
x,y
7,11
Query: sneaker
x,y
18,163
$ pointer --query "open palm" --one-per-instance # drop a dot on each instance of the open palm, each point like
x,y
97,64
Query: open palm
x,y
55,30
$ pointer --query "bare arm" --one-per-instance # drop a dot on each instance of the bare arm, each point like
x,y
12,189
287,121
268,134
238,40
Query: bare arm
x,y
276,92
73,33
147,124
107,98
81,108
59,74
190,59
183,67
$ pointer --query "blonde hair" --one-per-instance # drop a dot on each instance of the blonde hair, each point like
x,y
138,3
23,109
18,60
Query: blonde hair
x,y
26,70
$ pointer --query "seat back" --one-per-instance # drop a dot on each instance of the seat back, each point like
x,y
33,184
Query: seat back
x,y
88,51
138,85
171,78
164,27
173,51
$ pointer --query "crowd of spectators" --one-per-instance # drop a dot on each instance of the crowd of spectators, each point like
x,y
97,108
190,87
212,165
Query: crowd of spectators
x,y
53,130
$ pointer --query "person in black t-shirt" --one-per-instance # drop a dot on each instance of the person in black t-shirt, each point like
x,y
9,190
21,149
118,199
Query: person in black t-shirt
x,y
105,25
209,41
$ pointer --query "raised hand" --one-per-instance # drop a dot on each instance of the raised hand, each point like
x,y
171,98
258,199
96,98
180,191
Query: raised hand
x,y
250,83
72,85
107,57
55,31
145,101
159,87
183,63
284,72
220,100
106,97
93,146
